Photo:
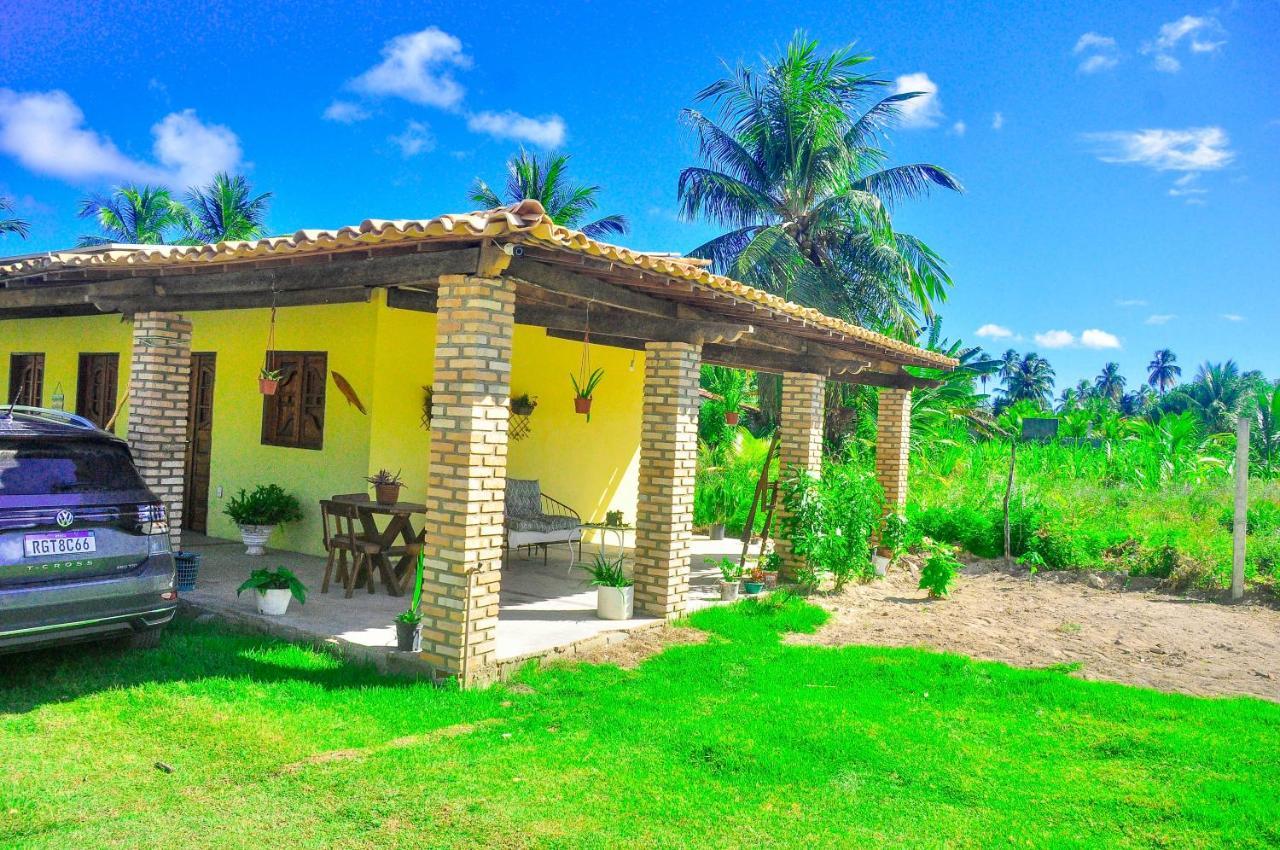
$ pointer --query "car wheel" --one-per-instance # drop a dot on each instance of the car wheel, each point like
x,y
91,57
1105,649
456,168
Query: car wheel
x,y
145,639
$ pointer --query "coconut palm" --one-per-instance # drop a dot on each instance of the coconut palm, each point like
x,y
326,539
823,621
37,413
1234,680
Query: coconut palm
x,y
225,210
12,225
1110,383
1214,395
133,215
1163,371
547,181
1029,379
792,167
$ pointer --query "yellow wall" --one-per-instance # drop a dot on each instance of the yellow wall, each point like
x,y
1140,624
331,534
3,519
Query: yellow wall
x,y
387,356
62,341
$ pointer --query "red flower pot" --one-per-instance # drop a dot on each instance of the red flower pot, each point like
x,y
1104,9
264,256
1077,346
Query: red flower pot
x,y
731,418
582,405
386,494
268,386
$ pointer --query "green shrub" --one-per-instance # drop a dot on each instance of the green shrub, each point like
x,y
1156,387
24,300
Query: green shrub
x,y
830,520
267,504
939,569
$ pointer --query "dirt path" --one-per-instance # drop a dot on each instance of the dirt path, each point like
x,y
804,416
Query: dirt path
x,y
1137,637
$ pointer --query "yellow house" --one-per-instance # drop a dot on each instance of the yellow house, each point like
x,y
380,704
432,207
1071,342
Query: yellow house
x,y
402,344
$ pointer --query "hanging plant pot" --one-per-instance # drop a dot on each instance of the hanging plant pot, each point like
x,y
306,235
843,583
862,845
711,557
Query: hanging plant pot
x,y
268,386
582,405
731,418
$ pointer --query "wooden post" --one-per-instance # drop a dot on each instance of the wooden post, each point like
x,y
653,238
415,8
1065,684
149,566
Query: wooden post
x,y
1008,497
1241,527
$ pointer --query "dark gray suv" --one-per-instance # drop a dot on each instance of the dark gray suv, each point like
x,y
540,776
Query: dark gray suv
x,y
84,545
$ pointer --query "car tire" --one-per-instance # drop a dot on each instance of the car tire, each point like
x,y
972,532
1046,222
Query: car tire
x,y
145,639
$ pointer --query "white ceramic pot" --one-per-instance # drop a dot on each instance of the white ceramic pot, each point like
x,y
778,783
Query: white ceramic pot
x,y
274,602
255,537
881,563
615,603
728,591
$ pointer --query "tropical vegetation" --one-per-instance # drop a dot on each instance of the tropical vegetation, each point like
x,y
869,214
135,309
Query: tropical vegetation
x,y
225,209
17,226
546,179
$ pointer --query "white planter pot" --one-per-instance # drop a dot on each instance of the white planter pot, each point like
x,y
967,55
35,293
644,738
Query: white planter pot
x,y
881,564
255,537
615,603
728,591
274,602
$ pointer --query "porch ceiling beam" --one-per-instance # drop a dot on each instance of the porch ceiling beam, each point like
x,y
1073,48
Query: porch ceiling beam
x,y
599,339
342,273
616,323
238,300
743,357
422,300
582,286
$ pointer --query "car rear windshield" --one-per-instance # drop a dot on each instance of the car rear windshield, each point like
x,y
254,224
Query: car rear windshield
x,y
65,467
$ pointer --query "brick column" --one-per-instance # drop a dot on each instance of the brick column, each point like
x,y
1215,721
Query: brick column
x,y
468,478
800,448
893,444
668,467
159,375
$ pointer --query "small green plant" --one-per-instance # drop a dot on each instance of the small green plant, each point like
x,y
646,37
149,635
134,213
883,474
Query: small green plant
x,y
939,570
385,478
772,562
1033,561
586,388
266,504
613,518
893,535
730,570
266,374
412,615
606,573
523,405
281,578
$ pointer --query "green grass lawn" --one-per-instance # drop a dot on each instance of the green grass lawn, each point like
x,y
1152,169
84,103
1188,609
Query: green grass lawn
x,y
741,741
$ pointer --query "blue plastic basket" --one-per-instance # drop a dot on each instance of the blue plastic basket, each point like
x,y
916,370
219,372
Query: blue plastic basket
x,y
187,565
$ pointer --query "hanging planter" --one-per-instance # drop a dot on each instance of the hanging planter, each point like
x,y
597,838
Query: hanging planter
x,y
586,381
268,381
268,375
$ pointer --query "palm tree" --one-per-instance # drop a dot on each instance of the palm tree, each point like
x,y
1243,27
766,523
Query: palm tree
x,y
1163,371
794,169
1214,395
224,211
138,216
1110,383
12,225
1030,380
547,181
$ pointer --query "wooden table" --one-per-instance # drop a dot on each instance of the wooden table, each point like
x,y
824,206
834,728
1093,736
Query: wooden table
x,y
396,577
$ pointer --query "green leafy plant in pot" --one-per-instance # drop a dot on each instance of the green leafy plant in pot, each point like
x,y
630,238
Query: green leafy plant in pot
x,y
731,396
274,589
730,575
584,389
386,486
615,592
269,380
770,568
409,622
258,512
754,582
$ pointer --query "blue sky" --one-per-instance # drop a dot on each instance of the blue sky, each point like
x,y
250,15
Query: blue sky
x,y
1121,160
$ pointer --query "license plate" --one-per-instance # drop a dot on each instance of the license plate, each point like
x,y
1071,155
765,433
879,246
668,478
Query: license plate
x,y
59,543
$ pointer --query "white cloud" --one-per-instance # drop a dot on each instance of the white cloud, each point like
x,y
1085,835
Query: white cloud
x,y
417,67
415,139
1097,52
1131,302
45,131
1094,338
958,128
345,112
994,331
1055,339
547,132
997,121
1192,149
1233,317
1160,319
922,111
1201,35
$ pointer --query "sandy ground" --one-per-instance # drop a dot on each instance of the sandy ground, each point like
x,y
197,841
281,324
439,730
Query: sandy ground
x,y
1139,637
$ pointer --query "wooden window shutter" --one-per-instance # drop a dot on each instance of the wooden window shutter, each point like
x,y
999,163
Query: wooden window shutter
x,y
294,416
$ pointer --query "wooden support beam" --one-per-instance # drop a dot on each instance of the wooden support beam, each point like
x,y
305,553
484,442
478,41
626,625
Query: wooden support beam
x,y
599,339
412,299
582,286
341,273
630,325
744,357
237,301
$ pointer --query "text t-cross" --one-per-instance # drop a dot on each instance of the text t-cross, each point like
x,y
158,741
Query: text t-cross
x,y
84,545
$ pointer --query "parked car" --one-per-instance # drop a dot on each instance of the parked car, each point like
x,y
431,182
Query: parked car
x,y
84,545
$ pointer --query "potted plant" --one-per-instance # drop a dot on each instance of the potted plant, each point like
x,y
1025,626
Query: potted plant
x,y
409,622
730,574
582,391
731,396
268,380
755,582
386,486
523,405
613,519
259,512
615,593
770,569
274,590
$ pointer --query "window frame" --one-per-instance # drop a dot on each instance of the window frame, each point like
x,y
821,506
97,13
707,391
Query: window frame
x,y
16,357
311,401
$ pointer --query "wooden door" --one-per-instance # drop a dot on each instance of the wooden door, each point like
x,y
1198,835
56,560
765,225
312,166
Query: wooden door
x,y
96,387
195,490
26,379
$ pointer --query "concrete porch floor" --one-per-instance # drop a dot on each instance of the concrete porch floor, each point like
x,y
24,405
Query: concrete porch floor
x,y
542,606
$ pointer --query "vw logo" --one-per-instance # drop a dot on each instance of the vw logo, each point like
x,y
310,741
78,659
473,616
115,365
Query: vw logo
x,y
65,518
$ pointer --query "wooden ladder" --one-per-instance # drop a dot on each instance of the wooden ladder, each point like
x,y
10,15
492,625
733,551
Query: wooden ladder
x,y
766,496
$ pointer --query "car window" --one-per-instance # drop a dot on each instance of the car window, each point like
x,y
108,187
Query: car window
x,y
60,468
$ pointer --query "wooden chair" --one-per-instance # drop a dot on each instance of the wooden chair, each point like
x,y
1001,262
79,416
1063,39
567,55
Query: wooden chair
x,y
342,536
